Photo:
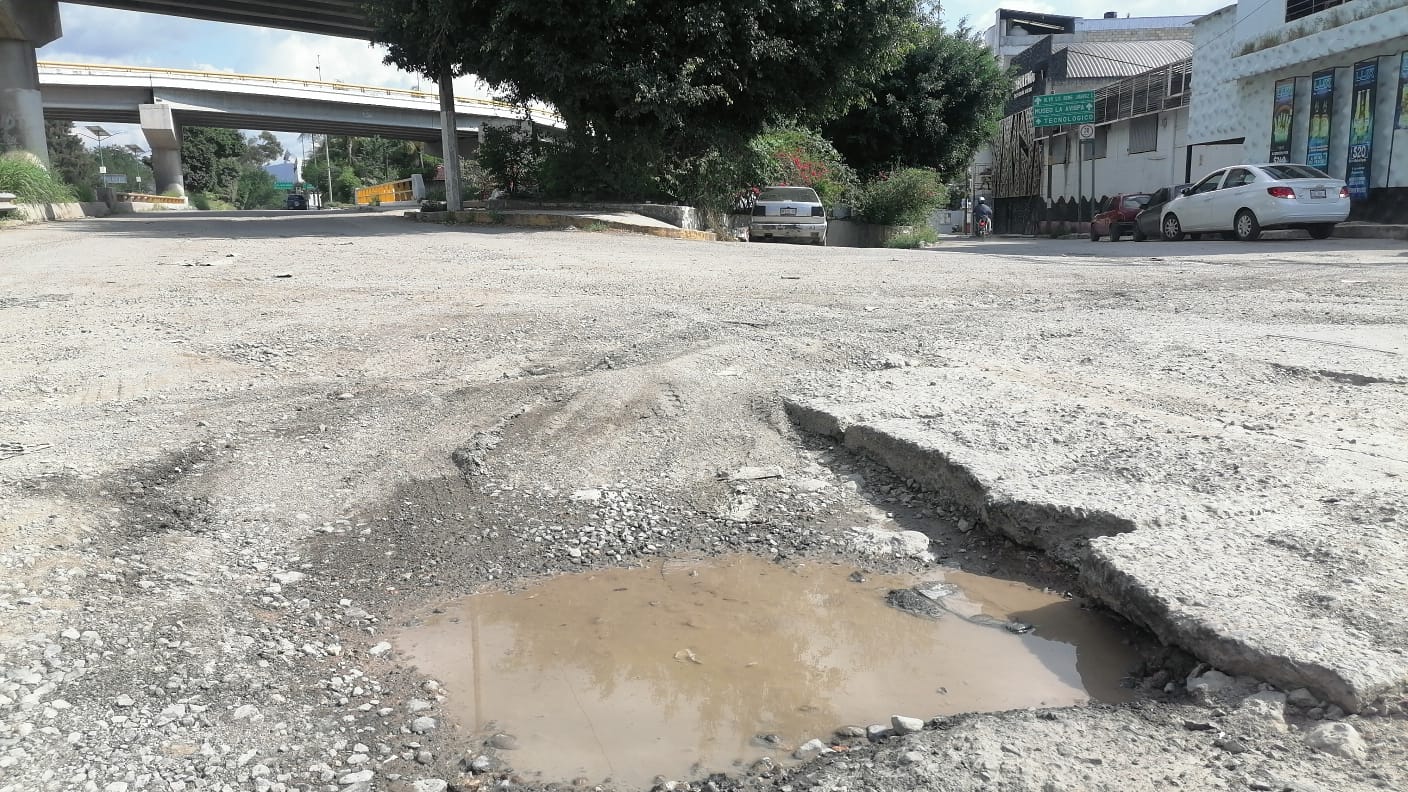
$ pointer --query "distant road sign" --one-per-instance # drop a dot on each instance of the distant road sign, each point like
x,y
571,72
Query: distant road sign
x,y
283,185
1087,131
1063,109
113,178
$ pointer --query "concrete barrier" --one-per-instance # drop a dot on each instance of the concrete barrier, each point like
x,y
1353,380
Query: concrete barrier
x,y
853,233
524,219
686,217
43,213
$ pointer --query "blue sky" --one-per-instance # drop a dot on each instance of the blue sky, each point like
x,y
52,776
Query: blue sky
x,y
100,35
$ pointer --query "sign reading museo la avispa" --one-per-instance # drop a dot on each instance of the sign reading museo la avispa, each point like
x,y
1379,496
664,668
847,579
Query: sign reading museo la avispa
x,y
1361,128
1322,107
1283,113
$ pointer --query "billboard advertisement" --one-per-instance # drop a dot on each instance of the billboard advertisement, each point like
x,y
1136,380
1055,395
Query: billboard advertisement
x,y
1322,110
1402,122
1361,128
1283,113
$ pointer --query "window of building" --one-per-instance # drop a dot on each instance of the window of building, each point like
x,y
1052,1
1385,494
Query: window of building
x,y
1144,134
1296,9
1101,144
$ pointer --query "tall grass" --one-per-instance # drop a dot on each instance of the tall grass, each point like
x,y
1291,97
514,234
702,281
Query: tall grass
x,y
29,181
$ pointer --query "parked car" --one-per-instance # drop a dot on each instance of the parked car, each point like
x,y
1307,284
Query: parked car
x,y
1146,223
1118,218
296,201
788,213
1242,201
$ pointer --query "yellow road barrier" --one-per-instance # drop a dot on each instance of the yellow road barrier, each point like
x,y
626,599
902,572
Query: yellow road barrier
x,y
156,199
412,189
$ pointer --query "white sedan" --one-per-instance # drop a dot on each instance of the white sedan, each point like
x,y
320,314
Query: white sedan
x,y
1242,201
790,214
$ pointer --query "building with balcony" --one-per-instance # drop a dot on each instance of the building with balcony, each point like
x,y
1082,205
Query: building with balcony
x,y
1139,69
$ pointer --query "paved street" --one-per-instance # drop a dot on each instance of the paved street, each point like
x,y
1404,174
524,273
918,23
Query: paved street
x,y
237,452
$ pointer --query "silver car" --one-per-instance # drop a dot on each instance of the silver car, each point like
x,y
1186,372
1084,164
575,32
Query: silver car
x,y
792,214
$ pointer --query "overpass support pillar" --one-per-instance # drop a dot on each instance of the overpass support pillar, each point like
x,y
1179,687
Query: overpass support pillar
x,y
450,141
165,139
25,25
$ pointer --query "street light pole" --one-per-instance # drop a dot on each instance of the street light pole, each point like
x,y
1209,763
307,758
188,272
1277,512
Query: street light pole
x,y
327,149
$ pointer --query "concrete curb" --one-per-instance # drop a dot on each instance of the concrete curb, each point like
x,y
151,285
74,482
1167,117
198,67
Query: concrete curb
x,y
1371,231
554,221
1076,533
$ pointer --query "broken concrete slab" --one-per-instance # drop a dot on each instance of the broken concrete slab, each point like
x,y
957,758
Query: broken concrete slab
x,y
1261,552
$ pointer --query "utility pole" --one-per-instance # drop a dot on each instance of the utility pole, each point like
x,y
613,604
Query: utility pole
x,y
327,149
450,140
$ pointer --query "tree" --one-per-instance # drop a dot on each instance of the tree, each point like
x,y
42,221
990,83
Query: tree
x,y
211,159
254,189
650,81
262,149
68,157
934,110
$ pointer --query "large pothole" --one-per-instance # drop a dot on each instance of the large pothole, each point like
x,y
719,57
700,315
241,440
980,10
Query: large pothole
x,y
681,669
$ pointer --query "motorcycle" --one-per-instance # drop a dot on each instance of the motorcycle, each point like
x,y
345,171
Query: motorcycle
x,y
984,227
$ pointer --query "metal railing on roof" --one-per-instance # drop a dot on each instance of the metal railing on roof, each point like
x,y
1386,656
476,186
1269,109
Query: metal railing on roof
x,y
1164,88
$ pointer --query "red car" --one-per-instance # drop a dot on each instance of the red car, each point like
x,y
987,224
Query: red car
x,y
1118,218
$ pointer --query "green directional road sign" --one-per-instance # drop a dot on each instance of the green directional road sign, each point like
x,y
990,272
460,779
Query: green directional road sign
x,y
283,185
1063,109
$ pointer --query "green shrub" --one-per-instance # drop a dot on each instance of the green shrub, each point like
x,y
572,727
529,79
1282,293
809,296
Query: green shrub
x,y
906,197
920,236
511,157
206,202
23,175
800,157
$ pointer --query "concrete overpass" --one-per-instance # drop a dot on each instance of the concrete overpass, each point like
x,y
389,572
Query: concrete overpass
x,y
165,100
26,25
327,17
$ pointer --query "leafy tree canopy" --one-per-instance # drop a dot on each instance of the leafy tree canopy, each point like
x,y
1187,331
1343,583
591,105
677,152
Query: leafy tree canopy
x,y
262,149
211,158
674,74
933,110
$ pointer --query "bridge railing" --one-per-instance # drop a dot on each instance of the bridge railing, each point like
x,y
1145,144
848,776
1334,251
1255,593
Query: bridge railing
x,y
412,189
59,67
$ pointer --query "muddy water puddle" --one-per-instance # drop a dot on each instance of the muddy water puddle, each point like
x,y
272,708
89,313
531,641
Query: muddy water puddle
x,y
675,669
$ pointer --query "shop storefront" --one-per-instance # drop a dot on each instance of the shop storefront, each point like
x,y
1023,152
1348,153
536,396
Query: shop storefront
x,y
1324,85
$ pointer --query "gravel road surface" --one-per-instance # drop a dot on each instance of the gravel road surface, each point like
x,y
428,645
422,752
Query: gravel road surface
x,y
233,451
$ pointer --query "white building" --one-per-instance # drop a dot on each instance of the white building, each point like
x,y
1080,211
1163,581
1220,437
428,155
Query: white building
x,y
1311,48
1139,70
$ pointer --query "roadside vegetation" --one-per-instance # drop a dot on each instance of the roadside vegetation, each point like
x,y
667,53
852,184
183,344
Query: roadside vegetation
x,y
77,166
23,175
670,101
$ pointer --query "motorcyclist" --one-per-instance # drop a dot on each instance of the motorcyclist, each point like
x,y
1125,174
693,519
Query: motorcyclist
x,y
981,212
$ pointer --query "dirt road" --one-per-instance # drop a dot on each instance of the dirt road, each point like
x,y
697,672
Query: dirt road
x,y
236,453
